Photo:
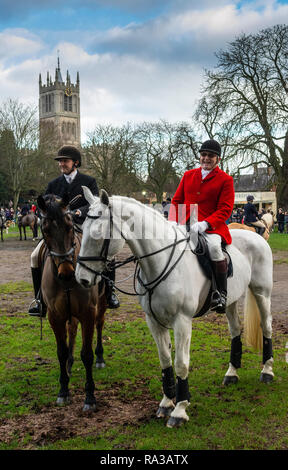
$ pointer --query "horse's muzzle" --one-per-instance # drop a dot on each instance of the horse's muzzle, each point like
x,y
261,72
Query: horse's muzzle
x,y
66,272
85,283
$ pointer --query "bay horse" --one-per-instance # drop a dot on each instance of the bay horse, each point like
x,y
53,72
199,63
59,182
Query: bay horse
x,y
2,225
67,302
172,288
28,220
268,222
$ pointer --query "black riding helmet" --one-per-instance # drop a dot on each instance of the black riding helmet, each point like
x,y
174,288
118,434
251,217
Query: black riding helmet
x,y
70,152
211,146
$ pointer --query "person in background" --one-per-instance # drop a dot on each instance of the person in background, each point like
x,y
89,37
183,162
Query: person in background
x,y
251,216
280,220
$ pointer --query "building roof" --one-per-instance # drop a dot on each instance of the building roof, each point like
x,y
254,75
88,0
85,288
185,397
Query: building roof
x,y
260,180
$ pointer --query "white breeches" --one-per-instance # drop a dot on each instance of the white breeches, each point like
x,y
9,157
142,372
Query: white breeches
x,y
214,246
34,255
258,223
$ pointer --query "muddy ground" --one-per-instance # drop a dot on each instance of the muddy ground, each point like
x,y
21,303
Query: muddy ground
x,y
50,424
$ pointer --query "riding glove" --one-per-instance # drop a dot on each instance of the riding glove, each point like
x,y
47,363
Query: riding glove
x,y
199,227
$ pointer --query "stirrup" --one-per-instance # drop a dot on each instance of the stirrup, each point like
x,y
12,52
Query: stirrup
x,y
37,310
220,307
113,301
216,300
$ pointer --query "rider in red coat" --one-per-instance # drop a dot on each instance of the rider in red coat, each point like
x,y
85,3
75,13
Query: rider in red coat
x,y
213,190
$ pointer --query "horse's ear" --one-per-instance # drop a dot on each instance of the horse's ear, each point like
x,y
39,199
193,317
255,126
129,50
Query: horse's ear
x,y
90,198
41,203
65,200
104,198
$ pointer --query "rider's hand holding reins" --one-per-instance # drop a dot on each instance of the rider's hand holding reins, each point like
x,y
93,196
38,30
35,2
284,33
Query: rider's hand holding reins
x,y
199,227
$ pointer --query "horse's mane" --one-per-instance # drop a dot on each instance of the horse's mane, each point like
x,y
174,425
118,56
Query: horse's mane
x,y
133,201
54,207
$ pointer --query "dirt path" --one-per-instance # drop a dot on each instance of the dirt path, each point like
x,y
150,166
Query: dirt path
x,y
15,266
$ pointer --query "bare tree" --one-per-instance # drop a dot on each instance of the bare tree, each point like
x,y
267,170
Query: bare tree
x,y
26,165
164,155
18,145
111,155
247,102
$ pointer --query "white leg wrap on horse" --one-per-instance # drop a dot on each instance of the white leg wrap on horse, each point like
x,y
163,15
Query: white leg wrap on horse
x,y
180,410
267,369
166,402
232,371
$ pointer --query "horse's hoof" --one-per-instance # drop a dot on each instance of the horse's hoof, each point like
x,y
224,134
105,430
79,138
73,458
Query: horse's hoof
x,y
89,407
266,378
164,412
61,401
174,422
100,365
230,379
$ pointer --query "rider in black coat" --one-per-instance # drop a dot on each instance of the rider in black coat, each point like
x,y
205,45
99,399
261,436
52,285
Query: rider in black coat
x,y
70,182
251,216
77,201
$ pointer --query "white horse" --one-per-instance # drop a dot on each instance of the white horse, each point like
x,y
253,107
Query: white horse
x,y
173,288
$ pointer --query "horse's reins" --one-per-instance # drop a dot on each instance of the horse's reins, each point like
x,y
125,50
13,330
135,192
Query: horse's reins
x,y
149,287
64,257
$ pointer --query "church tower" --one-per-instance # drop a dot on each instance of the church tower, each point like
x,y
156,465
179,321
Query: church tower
x,y
59,110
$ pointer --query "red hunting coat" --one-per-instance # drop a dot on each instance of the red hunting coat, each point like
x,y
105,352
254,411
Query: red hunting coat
x,y
214,196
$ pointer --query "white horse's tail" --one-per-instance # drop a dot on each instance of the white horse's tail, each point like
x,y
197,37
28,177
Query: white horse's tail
x,y
253,335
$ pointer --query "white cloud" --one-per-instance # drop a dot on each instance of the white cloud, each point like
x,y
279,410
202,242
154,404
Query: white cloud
x,y
141,72
16,43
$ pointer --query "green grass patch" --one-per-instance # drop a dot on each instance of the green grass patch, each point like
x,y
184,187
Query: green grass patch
x,y
20,286
281,261
278,241
13,233
250,415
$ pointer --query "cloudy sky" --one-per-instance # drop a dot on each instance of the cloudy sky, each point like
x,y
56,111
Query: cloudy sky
x,y
138,59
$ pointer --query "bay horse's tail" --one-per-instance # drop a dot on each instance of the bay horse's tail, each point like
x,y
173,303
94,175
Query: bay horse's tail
x,y
253,335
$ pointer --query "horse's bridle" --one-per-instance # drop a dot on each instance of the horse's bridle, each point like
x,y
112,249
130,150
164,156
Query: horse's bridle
x,y
103,257
64,257
149,286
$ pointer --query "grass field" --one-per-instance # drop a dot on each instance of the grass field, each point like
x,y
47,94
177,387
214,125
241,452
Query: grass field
x,y
248,416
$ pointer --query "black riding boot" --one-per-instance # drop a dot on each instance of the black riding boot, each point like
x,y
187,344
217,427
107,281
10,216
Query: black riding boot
x,y
111,297
261,231
39,309
218,301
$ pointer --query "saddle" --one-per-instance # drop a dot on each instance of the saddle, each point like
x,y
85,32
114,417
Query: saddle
x,y
205,263
259,230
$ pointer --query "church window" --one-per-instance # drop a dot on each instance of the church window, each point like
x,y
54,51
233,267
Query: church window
x,y
48,103
67,103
